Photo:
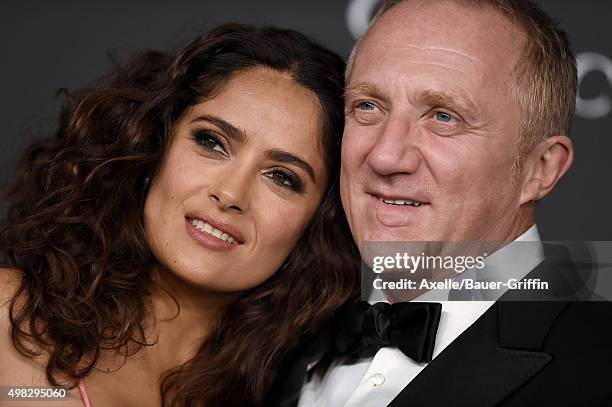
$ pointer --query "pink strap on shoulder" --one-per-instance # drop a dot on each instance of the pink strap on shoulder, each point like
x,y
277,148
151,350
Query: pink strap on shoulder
x,y
84,394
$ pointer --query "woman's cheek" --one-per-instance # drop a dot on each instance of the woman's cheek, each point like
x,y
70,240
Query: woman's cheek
x,y
285,225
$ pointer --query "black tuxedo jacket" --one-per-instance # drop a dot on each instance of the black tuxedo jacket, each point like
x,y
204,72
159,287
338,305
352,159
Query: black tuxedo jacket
x,y
556,352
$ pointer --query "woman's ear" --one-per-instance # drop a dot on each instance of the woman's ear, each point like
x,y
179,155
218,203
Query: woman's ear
x,y
547,162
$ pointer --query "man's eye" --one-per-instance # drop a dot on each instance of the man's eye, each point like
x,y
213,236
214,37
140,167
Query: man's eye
x,y
285,179
209,141
443,117
367,106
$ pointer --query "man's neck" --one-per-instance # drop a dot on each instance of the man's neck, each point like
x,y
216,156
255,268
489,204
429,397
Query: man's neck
x,y
514,260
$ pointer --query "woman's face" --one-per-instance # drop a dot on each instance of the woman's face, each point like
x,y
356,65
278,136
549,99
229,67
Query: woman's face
x,y
240,182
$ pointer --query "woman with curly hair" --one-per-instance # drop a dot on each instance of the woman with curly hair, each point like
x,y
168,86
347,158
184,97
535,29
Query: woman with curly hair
x,y
181,232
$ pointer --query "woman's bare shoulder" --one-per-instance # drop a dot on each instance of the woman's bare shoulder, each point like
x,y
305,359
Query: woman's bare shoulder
x,y
17,368
9,281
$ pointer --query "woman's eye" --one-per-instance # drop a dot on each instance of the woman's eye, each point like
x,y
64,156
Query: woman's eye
x,y
209,141
443,117
285,179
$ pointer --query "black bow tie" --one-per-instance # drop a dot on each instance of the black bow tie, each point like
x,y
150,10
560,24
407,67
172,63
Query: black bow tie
x,y
362,329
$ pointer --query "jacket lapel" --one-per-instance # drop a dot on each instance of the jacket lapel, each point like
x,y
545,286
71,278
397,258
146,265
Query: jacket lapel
x,y
499,353
475,370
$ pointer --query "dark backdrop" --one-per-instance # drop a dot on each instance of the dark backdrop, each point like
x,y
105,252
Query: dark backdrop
x,y
45,46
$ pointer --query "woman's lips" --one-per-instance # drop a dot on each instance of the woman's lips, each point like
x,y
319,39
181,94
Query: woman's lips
x,y
217,224
207,240
212,233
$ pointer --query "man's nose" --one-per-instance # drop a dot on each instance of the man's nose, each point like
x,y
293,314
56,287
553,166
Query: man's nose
x,y
230,192
395,150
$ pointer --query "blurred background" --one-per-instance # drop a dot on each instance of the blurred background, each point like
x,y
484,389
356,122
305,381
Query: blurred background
x,y
49,45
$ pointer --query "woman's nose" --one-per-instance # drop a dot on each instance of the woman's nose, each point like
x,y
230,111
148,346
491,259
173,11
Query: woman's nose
x,y
231,191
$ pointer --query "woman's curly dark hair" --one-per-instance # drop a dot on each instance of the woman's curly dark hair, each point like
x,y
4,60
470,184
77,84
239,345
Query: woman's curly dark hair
x,y
75,230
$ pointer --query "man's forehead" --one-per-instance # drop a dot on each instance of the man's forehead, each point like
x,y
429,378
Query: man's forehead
x,y
406,69
448,28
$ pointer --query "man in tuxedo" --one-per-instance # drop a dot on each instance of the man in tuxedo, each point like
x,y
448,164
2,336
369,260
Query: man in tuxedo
x,y
457,121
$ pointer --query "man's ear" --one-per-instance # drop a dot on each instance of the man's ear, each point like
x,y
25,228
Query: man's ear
x,y
547,162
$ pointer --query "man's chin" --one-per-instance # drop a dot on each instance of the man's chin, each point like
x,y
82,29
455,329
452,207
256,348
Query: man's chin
x,y
404,234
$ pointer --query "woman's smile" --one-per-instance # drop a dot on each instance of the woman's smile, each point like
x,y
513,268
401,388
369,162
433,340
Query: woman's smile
x,y
213,234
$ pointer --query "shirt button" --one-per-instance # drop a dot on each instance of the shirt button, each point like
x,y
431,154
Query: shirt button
x,y
377,379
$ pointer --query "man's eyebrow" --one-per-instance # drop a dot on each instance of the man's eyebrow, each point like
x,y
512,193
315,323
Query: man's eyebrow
x,y
365,89
430,97
286,157
226,127
453,102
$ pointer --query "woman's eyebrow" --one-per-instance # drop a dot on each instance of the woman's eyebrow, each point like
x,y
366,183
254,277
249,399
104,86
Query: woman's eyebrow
x,y
286,157
232,131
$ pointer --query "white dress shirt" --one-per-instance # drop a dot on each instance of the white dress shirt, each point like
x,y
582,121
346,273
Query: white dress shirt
x,y
376,381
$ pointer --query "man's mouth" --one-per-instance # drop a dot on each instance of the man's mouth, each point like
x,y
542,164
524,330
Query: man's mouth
x,y
401,202
397,209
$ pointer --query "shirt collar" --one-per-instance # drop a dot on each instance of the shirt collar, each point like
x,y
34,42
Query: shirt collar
x,y
513,261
